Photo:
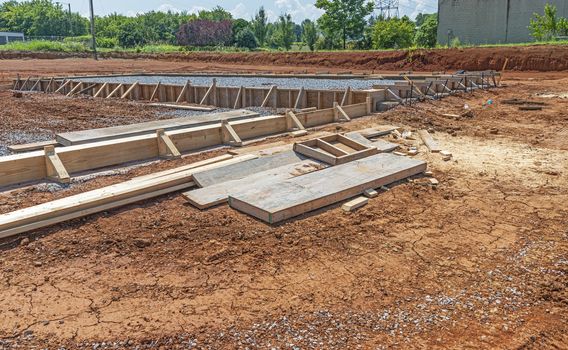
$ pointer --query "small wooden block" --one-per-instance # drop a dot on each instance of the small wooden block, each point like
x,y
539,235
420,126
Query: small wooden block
x,y
428,173
399,153
434,182
298,133
412,152
370,193
355,204
446,154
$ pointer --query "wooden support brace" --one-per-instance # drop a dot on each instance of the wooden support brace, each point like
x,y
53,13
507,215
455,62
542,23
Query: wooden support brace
x,y
398,98
273,88
183,91
100,91
445,86
238,99
24,84
17,83
90,87
129,91
115,91
65,83
166,147
293,121
211,89
345,98
48,85
54,167
298,103
77,87
342,113
155,91
36,84
229,134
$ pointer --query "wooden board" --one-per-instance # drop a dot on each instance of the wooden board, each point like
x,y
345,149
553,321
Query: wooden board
x,y
281,200
107,197
429,141
116,132
183,107
31,146
216,194
244,169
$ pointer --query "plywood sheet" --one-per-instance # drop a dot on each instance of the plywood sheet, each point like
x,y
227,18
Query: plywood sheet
x,y
216,194
236,171
279,201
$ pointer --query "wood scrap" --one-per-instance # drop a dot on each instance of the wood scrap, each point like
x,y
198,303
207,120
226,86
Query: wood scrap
x,y
355,204
429,141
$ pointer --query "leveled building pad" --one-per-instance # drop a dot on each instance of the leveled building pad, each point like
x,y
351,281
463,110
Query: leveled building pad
x,y
281,200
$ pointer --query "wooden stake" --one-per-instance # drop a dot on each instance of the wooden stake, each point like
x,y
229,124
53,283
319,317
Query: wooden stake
x,y
293,121
212,88
369,105
36,84
77,87
344,115
298,103
267,98
55,169
229,134
183,92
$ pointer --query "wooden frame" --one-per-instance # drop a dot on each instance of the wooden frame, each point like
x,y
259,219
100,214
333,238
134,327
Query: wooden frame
x,y
323,150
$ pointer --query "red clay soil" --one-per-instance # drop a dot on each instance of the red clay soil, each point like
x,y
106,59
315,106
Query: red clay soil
x,y
478,262
541,58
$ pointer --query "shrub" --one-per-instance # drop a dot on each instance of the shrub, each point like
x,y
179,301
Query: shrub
x,y
107,43
455,42
394,33
204,32
245,38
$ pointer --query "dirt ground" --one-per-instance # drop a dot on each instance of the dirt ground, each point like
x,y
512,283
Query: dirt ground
x,y
480,261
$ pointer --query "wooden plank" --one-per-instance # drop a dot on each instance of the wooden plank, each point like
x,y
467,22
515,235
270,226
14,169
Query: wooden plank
x,y
27,147
246,168
355,204
315,154
183,92
357,155
115,90
342,113
216,194
329,148
129,91
298,103
65,83
166,147
279,201
211,89
54,167
116,132
268,95
86,203
100,91
229,134
74,89
155,91
381,145
184,107
294,121
429,141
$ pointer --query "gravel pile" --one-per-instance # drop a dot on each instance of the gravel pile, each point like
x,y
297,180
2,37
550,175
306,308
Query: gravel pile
x,y
307,83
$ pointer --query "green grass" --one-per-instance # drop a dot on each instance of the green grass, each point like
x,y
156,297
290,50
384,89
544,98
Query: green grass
x,y
73,46
41,45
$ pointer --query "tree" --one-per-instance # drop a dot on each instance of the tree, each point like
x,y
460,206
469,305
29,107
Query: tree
x,y
204,32
259,26
546,27
394,33
309,34
427,33
131,34
245,38
344,16
421,18
284,32
216,14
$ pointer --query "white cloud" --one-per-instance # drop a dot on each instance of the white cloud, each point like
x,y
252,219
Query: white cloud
x,y
411,8
241,11
297,10
168,7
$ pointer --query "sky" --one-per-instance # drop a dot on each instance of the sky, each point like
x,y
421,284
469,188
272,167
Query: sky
x,y
299,9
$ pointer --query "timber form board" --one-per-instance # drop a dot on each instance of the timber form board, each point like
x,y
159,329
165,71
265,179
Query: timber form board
x,y
31,166
334,149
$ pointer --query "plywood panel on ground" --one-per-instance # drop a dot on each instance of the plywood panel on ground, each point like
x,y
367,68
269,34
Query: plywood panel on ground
x,y
210,196
277,201
244,169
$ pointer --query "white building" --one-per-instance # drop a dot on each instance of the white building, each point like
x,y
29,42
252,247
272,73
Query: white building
x,y
6,37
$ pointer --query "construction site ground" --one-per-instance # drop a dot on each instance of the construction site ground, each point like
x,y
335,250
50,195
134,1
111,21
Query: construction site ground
x,y
479,261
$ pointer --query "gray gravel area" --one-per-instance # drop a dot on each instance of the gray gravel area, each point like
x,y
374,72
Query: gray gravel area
x,y
180,113
307,83
16,137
